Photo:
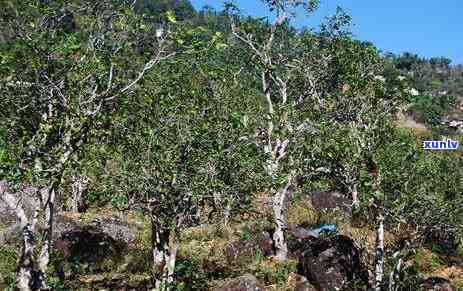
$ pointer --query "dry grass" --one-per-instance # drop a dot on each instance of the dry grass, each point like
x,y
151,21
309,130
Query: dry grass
x,y
301,212
407,122
454,274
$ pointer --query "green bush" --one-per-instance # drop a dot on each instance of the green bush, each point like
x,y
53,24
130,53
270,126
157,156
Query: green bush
x,y
8,259
430,109
276,273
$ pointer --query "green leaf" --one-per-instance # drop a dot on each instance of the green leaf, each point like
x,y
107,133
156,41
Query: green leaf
x,y
171,16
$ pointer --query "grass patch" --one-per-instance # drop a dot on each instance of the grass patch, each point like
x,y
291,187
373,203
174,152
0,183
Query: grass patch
x,y
8,258
274,273
426,261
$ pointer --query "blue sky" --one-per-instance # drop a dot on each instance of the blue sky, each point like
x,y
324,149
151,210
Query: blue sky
x,y
428,28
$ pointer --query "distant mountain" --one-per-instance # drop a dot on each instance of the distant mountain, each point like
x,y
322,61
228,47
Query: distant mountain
x,y
433,76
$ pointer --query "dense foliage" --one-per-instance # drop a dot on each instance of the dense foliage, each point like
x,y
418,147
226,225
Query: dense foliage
x,y
153,108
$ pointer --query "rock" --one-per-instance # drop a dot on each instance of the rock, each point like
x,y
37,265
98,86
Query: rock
x,y
261,241
437,284
9,223
115,228
101,244
109,225
238,249
455,124
27,200
246,282
300,232
330,263
88,245
265,242
442,236
330,200
305,286
298,283
107,231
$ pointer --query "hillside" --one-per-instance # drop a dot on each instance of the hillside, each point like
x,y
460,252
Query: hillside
x,y
148,146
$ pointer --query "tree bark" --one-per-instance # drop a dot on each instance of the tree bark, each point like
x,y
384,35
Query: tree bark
x,y
163,255
355,199
394,276
79,184
171,264
48,201
281,247
28,278
379,265
25,274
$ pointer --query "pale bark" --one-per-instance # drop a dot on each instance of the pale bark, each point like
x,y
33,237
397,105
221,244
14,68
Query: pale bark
x,y
48,201
26,276
171,263
379,264
281,246
395,273
164,254
78,187
275,146
355,198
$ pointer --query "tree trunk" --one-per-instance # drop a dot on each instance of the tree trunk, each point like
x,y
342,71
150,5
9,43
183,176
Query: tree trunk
x,y
30,273
26,275
279,241
171,264
48,201
78,186
163,256
355,199
394,276
379,265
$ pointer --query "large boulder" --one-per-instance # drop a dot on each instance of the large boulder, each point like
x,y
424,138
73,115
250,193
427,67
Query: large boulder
x,y
446,238
331,201
89,244
92,240
301,232
9,223
300,235
97,245
437,284
246,282
332,263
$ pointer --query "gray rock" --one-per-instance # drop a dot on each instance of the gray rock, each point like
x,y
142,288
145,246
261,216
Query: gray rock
x,y
330,263
246,282
115,228
305,286
445,237
28,200
261,241
300,232
437,284
9,223
331,201
297,282
103,237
